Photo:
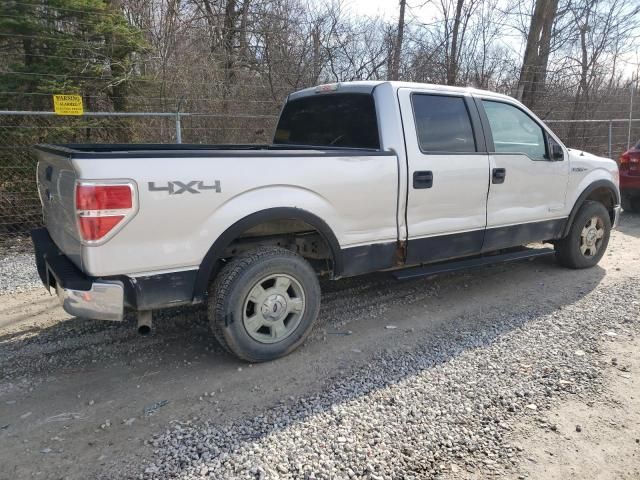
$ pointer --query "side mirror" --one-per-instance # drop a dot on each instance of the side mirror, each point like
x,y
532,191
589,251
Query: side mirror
x,y
556,152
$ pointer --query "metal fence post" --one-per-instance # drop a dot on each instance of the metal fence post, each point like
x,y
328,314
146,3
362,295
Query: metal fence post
x,y
178,128
610,139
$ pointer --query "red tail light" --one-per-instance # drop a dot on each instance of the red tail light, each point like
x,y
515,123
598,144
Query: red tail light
x,y
95,228
103,207
103,197
625,159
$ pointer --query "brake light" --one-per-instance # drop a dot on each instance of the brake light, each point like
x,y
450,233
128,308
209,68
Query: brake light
x,y
100,208
625,158
103,197
327,87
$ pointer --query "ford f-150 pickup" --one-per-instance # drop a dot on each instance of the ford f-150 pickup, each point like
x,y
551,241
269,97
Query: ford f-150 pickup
x,y
360,177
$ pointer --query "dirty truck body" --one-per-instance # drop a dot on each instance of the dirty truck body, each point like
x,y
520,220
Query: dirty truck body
x,y
361,177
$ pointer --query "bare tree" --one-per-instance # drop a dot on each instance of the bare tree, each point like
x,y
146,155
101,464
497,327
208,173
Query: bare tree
x,y
536,54
600,27
457,16
397,45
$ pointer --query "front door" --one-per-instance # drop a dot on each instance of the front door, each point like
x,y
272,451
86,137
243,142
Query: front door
x,y
448,170
528,186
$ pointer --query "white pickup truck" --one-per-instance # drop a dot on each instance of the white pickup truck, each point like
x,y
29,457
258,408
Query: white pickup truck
x,y
361,177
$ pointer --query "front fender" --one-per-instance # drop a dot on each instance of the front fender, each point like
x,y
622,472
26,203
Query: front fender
x,y
586,187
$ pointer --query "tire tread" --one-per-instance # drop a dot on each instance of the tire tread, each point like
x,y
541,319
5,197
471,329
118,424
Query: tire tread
x,y
219,290
567,252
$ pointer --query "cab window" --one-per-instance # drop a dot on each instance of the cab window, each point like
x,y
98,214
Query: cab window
x,y
443,124
330,120
514,131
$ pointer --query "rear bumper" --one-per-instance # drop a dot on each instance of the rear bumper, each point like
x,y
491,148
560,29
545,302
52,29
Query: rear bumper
x,y
629,184
104,301
629,192
104,298
80,295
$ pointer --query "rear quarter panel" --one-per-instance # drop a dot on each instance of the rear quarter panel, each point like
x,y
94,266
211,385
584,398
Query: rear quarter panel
x,y
355,195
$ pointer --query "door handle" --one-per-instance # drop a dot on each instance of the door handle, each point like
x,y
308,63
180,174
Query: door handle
x,y
498,175
423,179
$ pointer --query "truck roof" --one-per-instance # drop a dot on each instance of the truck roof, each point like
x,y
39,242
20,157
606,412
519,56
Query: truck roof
x,y
367,86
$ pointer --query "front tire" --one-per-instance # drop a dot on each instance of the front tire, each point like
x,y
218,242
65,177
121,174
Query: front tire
x,y
588,237
263,303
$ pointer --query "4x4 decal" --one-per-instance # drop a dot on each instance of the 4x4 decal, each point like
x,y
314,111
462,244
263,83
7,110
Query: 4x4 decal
x,y
176,188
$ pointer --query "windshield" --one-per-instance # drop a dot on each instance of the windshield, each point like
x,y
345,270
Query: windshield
x,y
336,120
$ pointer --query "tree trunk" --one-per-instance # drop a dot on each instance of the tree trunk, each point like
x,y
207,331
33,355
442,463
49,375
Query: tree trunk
x,y
118,63
317,61
397,47
581,99
228,36
452,66
533,74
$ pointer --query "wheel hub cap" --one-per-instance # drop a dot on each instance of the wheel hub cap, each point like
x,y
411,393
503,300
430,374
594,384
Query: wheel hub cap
x,y
591,237
274,307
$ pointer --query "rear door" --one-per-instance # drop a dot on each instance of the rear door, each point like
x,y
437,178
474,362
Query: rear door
x,y
448,170
528,186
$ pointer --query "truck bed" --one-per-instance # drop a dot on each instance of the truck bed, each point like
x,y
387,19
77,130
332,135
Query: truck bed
x,y
173,227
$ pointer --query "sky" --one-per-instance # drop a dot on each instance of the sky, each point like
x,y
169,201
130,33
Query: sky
x,y
417,10
386,8
390,9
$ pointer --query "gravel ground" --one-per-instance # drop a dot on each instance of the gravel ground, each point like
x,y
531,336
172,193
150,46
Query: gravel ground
x,y
18,273
428,378
443,408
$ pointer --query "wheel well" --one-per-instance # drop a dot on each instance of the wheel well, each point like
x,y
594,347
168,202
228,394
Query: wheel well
x,y
605,196
602,191
293,234
288,227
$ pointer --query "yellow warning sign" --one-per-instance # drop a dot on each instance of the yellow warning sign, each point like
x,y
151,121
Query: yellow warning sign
x,y
68,104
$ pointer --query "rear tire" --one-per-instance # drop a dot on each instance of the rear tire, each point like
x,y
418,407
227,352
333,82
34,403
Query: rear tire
x,y
263,303
588,237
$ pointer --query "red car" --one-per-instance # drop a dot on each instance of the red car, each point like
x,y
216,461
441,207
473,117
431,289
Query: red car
x,y
630,179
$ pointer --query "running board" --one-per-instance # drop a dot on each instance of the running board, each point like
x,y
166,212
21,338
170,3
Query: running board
x,y
422,271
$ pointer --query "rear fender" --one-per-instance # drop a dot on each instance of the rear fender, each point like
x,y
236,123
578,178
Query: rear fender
x,y
250,219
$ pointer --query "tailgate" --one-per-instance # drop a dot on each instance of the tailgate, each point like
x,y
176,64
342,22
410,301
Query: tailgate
x,y
56,187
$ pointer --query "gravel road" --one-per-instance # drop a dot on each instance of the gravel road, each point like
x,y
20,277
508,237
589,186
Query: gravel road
x,y
442,407
431,378
18,273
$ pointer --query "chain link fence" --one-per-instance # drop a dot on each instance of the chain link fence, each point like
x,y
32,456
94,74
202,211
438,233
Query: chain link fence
x,y
19,131
606,138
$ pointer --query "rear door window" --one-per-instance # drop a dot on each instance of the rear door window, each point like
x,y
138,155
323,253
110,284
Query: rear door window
x,y
443,124
332,120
